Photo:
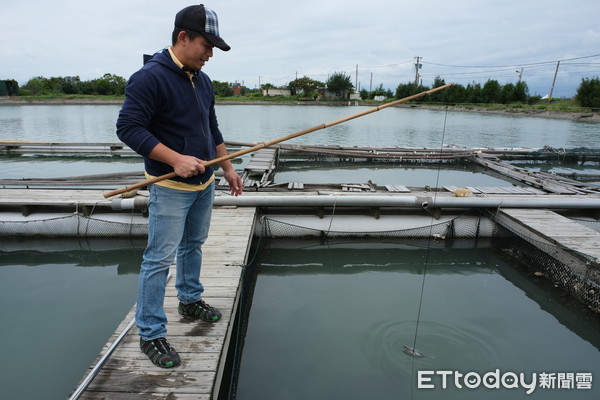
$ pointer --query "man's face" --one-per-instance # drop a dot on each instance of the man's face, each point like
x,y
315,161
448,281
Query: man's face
x,y
196,52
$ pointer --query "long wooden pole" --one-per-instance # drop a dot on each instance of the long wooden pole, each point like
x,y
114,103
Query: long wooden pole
x,y
263,145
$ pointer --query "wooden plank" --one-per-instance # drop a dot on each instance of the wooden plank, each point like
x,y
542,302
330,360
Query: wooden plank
x,y
558,230
295,185
129,374
397,188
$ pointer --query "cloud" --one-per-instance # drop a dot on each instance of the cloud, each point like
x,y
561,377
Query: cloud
x,y
272,41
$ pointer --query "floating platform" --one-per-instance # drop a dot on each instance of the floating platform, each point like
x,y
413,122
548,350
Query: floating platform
x,y
262,164
541,210
128,374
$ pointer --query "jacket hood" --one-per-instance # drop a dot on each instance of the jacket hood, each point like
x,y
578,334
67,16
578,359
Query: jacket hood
x,y
163,57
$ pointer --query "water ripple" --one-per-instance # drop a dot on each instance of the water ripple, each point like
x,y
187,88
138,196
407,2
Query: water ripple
x,y
446,346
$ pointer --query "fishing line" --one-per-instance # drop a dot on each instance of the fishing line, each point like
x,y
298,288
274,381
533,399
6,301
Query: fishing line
x,y
332,215
414,346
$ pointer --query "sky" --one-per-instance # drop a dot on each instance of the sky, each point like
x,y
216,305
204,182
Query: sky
x,y
375,42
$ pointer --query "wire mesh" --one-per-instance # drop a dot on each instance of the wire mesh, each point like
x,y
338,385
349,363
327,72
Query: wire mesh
x,y
469,225
575,273
74,225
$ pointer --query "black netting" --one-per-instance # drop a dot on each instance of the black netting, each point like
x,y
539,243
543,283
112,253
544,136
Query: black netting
x,y
74,225
572,271
463,226
575,273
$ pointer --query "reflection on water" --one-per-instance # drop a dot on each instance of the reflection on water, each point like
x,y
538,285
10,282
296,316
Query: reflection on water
x,y
53,167
59,302
392,127
432,175
329,321
59,123
405,127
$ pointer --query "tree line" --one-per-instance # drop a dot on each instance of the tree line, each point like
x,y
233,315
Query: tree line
x,y
588,93
339,85
107,85
491,92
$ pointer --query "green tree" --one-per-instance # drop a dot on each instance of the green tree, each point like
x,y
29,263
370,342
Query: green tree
x,y
110,84
588,93
306,85
436,97
455,94
408,89
34,86
71,85
340,84
491,92
380,91
507,93
473,93
521,92
222,89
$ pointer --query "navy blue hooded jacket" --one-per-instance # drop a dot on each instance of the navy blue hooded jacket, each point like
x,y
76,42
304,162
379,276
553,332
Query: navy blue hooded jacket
x,y
162,105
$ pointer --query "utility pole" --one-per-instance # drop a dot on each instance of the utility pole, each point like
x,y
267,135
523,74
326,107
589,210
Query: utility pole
x,y
553,82
520,74
356,86
417,67
371,83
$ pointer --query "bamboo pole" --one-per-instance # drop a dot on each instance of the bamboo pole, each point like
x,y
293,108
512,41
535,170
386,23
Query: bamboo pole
x,y
263,145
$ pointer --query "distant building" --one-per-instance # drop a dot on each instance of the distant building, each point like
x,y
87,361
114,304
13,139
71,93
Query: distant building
x,y
324,94
9,88
237,89
273,92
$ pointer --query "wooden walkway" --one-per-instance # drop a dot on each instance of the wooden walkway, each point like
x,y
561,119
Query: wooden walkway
x,y
260,167
202,346
581,244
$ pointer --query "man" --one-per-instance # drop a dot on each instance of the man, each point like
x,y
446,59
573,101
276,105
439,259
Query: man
x,y
169,118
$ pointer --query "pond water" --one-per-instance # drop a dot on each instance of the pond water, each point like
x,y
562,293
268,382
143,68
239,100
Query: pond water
x,y
348,309
329,321
402,127
60,301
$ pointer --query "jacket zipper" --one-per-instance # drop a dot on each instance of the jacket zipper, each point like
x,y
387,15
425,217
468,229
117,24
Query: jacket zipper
x,y
199,104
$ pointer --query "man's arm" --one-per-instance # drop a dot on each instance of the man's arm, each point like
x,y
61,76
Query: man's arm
x,y
236,185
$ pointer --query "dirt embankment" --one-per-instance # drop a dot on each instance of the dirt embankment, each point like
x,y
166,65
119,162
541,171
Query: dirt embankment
x,y
524,112
593,117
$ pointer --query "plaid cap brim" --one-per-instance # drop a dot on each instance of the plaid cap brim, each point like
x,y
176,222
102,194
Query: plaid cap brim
x,y
216,41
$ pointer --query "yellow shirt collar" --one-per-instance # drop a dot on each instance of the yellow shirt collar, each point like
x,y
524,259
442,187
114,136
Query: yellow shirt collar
x,y
179,64
175,59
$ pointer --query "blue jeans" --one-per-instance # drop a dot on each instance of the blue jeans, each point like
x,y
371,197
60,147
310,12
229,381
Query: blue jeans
x,y
178,225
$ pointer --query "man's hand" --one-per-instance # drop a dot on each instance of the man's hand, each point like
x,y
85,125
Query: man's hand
x,y
184,166
236,186
187,166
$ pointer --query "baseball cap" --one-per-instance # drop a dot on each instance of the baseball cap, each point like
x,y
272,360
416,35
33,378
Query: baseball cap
x,y
202,20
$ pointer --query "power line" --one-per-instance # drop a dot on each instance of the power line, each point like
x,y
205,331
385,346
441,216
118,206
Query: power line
x,y
513,65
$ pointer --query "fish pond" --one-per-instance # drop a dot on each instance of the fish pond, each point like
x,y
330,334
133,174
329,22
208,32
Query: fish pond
x,y
327,320
332,320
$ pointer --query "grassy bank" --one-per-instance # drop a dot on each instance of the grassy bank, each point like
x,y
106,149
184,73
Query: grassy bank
x,y
557,108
